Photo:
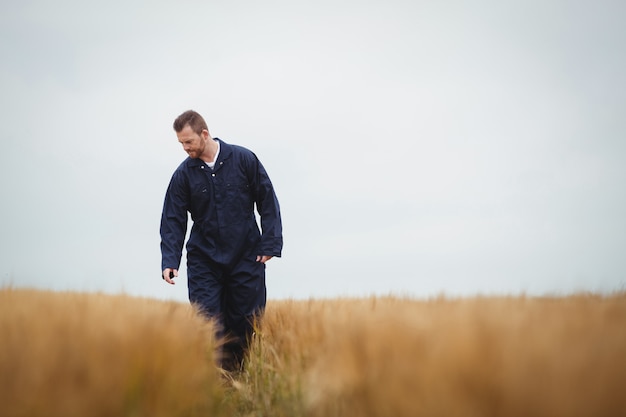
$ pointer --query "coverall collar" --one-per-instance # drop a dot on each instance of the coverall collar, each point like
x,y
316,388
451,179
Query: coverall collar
x,y
225,153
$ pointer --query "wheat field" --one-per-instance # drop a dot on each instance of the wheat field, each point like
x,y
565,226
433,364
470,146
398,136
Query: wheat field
x,y
78,354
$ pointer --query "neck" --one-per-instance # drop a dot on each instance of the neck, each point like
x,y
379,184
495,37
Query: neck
x,y
209,151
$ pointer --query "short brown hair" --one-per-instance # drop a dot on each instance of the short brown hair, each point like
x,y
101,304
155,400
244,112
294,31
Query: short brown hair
x,y
191,118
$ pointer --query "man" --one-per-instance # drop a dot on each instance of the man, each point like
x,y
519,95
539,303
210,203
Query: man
x,y
219,184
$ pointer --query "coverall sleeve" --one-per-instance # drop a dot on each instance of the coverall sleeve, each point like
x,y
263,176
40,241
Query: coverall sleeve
x,y
174,222
269,212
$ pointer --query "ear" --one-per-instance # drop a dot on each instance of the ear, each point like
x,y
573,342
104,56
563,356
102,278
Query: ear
x,y
204,134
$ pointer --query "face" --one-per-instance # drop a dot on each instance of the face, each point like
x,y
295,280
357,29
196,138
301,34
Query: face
x,y
193,143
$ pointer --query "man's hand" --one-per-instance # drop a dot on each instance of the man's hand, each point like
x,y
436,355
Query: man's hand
x,y
169,274
263,258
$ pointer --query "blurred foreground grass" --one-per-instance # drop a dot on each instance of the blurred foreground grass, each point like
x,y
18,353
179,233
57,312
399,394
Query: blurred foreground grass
x,y
77,354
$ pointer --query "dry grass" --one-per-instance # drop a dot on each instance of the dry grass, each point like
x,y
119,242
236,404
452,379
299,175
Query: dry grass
x,y
65,354
396,357
70,354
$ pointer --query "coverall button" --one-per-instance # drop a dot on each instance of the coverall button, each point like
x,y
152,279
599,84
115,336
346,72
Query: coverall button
x,y
213,175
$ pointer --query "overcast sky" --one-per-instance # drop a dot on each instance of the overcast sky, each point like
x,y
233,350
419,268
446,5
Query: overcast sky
x,y
416,147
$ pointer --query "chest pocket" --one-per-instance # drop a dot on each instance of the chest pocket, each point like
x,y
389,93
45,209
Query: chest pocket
x,y
200,199
237,203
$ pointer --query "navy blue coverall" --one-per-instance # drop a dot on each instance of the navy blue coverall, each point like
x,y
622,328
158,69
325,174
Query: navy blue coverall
x,y
225,280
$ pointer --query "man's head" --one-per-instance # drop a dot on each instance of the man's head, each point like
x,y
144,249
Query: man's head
x,y
193,134
191,118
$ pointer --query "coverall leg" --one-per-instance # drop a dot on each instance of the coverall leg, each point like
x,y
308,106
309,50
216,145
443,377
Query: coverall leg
x,y
233,297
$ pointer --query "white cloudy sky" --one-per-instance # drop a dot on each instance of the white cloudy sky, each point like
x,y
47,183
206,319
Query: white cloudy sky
x,y
417,147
